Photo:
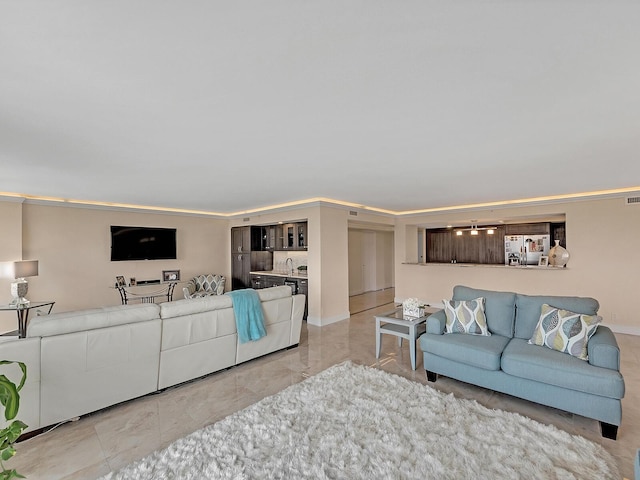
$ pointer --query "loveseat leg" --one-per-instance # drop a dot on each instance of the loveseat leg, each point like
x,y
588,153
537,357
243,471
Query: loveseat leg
x,y
431,376
608,430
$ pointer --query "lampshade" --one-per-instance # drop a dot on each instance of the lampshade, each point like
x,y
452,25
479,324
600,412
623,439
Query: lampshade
x,y
25,268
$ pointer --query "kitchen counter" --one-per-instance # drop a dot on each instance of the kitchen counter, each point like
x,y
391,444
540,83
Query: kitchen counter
x,y
278,273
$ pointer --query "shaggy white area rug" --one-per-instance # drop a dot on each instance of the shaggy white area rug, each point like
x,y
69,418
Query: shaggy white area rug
x,y
356,422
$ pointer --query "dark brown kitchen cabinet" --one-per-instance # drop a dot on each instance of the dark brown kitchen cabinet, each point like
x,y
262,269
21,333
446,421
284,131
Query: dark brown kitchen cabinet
x,y
240,270
257,282
542,228
439,248
273,281
291,236
444,246
466,248
244,259
240,239
271,237
491,247
301,235
263,238
303,288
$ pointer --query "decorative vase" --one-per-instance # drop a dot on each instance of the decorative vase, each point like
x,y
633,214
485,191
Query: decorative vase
x,y
558,255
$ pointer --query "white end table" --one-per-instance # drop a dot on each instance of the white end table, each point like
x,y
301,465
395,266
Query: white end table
x,y
395,323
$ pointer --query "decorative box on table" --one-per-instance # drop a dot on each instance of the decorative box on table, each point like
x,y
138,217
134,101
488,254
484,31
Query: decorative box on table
x,y
411,307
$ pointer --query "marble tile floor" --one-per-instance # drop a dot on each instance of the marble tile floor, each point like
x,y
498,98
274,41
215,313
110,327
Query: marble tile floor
x,y
369,300
109,439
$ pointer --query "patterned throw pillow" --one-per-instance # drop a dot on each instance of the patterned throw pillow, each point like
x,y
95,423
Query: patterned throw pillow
x,y
565,331
466,316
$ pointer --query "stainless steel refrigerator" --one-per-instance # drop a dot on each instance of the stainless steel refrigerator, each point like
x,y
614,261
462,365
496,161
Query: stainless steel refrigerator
x,y
525,249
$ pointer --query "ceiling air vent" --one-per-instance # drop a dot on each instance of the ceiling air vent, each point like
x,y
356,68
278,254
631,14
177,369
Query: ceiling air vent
x,y
246,219
632,201
353,213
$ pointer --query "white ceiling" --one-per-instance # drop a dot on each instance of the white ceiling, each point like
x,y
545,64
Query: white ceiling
x,y
225,106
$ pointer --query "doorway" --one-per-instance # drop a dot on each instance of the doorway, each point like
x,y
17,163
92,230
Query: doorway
x,y
371,265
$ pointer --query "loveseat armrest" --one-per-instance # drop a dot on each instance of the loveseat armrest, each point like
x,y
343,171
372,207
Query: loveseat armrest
x,y
436,322
603,350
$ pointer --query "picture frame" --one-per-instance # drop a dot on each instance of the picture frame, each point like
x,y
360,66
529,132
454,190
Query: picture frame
x,y
132,281
170,275
543,261
120,283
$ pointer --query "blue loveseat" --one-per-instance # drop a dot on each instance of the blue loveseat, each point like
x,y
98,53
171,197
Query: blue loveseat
x,y
506,362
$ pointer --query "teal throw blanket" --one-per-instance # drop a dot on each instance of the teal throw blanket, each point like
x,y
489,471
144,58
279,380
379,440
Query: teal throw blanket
x,y
248,311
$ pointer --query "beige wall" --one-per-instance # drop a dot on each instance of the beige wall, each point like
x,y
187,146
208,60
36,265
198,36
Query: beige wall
x,y
602,236
10,251
334,266
72,245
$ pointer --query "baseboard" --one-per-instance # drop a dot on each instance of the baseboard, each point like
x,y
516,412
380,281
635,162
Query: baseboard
x,y
321,322
624,329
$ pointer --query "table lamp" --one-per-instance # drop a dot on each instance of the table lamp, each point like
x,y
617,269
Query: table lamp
x,y
19,288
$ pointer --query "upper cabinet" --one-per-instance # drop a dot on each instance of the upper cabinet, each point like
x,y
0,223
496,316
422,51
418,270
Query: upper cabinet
x,y
263,238
543,228
283,237
241,240
291,236
301,236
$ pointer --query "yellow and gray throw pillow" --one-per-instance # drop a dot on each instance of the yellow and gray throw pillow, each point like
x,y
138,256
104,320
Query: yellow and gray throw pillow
x,y
466,316
565,331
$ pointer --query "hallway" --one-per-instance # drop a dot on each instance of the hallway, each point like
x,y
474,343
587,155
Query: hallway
x,y
369,300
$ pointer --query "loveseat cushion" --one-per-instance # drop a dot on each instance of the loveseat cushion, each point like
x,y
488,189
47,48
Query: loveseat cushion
x,y
475,350
529,307
499,308
544,365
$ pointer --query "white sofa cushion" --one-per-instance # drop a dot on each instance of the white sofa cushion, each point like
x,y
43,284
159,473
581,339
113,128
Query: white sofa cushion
x,y
88,370
273,293
81,320
197,327
180,308
27,351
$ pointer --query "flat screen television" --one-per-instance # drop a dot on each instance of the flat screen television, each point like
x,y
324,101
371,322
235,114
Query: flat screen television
x,y
142,243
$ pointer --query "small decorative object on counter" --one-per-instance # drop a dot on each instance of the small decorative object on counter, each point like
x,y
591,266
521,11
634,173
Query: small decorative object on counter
x,y
558,255
412,308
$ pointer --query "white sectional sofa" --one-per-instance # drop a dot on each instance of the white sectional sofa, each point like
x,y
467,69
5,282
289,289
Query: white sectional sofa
x,y
193,329
80,362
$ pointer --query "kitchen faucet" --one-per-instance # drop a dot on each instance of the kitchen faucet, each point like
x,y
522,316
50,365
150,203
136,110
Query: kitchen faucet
x,y
287,261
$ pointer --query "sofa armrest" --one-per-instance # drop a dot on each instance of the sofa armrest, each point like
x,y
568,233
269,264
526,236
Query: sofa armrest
x,y
603,350
436,322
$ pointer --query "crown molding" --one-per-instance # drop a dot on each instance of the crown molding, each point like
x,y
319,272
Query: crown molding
x,y
320,201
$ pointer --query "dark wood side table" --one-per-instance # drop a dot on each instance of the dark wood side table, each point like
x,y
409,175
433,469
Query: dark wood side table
x,y
23,313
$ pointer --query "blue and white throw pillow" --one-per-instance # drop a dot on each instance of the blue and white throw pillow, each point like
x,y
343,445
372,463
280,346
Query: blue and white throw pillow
x,y
565,331
466,316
